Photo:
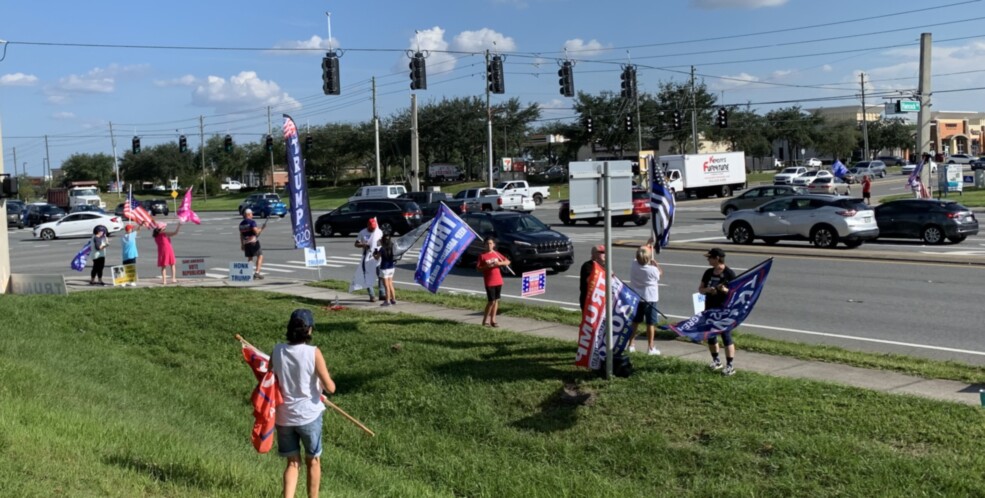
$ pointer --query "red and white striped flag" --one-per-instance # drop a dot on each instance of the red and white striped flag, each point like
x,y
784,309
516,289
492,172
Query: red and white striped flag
x,y
133,211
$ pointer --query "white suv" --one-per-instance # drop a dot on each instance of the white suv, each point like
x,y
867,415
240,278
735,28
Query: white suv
x,y
824,220
786,176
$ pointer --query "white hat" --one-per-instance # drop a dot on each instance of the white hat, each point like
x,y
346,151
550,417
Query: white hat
x,y
247,211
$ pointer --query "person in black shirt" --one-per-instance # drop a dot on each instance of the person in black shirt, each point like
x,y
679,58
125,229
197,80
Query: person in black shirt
x,y
598,256
714,286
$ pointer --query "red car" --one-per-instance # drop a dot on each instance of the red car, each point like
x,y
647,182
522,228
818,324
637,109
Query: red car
x,y
640,215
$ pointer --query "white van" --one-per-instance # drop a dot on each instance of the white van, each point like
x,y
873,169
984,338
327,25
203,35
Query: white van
x,y
378,192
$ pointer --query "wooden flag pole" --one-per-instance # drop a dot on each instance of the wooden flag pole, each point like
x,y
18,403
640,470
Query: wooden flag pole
x,y
323,398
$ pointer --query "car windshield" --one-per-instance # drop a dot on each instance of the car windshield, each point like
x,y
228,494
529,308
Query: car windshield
x,y
501,185
13,208
641,194
789,170
856,204
519,224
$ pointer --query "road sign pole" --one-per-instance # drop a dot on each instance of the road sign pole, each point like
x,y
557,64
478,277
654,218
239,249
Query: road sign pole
x,y
607,217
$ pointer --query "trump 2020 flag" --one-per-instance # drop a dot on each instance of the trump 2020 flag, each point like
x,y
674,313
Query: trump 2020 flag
x,y
265,398
79,261
662,206
297,188
838,169
592,333
445,242
742,295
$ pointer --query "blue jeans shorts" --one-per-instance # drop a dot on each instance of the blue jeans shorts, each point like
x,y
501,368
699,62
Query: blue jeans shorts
x,y
647,311
290,439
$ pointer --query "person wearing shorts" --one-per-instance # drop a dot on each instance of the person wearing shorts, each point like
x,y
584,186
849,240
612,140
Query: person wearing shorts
x,y
714,285
489,264
387,267
866,189
301,377
249,241
644,278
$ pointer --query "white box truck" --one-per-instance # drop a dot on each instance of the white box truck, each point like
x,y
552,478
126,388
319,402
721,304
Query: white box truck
x,y
704,175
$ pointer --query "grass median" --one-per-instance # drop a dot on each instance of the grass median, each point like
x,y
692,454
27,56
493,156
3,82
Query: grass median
x,y
143,392
948,370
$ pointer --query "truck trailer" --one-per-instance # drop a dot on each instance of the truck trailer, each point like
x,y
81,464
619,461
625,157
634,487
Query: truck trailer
x,y
704,175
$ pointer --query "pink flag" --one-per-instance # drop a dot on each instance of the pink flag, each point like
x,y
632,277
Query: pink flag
x,y
185,213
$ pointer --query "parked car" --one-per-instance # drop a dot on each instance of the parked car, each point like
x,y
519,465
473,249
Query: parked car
x,y
907,169
640,215
787,176
960,159
556,173
395,216
15,210
757,196
527,242
36,214
157,206
538,194
824,220
378,192
231,185
253,198
266,207
927,219
806,179
829,185
78,225
490,199
82,208
872,168
430,202
892,160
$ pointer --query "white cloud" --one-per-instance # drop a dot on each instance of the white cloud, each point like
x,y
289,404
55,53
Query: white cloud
x,y
64,115
239,92
312,46
485,38
580,48
827,68
433,40
779,73
736,4
186,80
96,81
18,79
735,81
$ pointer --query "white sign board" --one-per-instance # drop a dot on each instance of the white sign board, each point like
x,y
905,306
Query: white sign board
x,y
698,301
241,272
37,284
314,257
191,267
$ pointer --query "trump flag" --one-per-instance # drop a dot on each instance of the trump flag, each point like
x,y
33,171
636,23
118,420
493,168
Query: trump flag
x,y
445,242
304,232
592,332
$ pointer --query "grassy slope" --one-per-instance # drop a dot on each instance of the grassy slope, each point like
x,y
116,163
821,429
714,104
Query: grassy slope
x,y
130,393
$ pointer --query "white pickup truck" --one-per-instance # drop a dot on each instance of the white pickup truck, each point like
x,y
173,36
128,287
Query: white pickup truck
x,y
489,199
538,194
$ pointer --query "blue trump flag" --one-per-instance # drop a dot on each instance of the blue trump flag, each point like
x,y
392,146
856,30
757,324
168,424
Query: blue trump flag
x,y
304,234
838,169
79,261
625,302
445,242
742,295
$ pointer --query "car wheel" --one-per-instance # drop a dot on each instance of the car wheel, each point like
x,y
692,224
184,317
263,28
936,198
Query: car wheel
x,y
770,241
957,239
283,215
567,221
729,210
726,191
325,230
741,233
47,234
932,235
593,222
824,237
640,221
538,199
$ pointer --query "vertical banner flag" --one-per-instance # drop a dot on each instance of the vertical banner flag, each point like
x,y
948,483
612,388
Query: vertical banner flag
x,y
79,261
592,333
742,295
304,234
185,213
662,206
533,283
445,242
265,398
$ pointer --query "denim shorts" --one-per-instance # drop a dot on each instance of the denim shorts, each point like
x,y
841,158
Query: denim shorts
x,y
290,439
647,311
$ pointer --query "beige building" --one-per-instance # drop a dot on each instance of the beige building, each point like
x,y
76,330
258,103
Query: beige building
x,y
955,132
853,113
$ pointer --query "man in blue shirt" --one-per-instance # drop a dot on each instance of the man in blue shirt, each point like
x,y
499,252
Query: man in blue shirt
x,y
249,241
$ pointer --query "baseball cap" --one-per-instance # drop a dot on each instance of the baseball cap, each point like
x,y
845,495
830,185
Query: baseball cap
x,y
715,253
301,318
129,228
247,211
600,248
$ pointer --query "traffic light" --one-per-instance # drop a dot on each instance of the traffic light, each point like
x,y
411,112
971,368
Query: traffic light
x,y
418,72
330,74
629,83
629,123
588,126
494,74
676,120
182,144
227,143
722,117
567,80
269,142
136,145
308,142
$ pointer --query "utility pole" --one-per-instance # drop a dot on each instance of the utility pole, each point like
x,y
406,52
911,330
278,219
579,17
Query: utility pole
x,y
4,240
15,163
376,132
116,161
694,114
415,162
201,139
865,122
270,131
47,160
489,148
923,93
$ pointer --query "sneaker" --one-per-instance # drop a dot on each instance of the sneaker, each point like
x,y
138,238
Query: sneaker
x,y
372,299
653,352
385,303
257,276
632,349
716,364
393,301
729,371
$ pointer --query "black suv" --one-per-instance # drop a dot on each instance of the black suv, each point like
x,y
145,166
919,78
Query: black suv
x,y
156,206
927,219
526,241
394,216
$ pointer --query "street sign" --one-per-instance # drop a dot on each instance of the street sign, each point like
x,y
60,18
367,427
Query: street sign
x,y
174,194
909,106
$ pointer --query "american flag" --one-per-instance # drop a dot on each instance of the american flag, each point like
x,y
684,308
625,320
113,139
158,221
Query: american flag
x,y
533,283
661,205
132,210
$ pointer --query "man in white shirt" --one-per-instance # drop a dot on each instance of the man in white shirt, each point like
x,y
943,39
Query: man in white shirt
x,y
365,277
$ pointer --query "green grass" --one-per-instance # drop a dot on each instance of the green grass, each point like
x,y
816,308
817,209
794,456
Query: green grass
x,y
948,370
149,397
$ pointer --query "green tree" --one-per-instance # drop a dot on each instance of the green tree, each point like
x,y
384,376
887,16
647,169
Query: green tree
x,y
838,139
677,96
795,128
87,167
608,112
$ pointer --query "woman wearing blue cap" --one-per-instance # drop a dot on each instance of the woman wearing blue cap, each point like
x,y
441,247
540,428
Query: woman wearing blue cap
x,y
301,376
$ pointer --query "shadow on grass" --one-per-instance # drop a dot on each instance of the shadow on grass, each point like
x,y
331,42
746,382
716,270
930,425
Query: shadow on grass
x,y
173,473
558,412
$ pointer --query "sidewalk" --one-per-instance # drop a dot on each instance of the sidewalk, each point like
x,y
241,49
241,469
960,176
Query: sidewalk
x,y
781,366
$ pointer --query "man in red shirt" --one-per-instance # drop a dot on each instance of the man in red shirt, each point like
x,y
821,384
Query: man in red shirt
x,y
489,264
866,189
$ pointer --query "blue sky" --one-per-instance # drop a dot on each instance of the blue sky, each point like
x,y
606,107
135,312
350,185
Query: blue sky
x,y
769,53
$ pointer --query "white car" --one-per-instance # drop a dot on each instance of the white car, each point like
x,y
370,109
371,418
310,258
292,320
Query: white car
x,y
814,162
787,176
806,179
78,225
909,167
231,185
960,159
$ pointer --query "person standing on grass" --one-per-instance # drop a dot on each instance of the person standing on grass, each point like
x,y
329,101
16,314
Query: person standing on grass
x,y
598,256
866,189
99,244
489,264
249,241
165,252
644,278
369,241
714,285
388,265
301,377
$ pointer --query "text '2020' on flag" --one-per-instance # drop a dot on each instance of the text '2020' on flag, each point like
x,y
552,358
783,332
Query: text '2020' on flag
x,y
265,398
445,242
591,332
742,295
662,206
304,233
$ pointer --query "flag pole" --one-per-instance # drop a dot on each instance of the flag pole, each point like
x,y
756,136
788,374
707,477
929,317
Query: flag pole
x,y
323,398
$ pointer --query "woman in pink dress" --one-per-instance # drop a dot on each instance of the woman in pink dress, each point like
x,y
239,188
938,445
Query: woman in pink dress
x,y
165,253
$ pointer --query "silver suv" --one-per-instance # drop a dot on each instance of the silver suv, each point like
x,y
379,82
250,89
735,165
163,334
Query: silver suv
x,y
824,220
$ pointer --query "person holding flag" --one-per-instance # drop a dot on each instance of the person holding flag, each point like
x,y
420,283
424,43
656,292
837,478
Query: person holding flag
x,y
915,182
165,252
714,285
99,244
386,254
369,241
249,241
489,264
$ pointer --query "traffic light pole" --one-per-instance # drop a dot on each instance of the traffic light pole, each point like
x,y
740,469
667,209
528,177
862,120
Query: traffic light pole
x,y
376,134
489,130
694,114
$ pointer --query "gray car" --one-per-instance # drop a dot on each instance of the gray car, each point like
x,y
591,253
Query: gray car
x,y
824,220
873,169
757,196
